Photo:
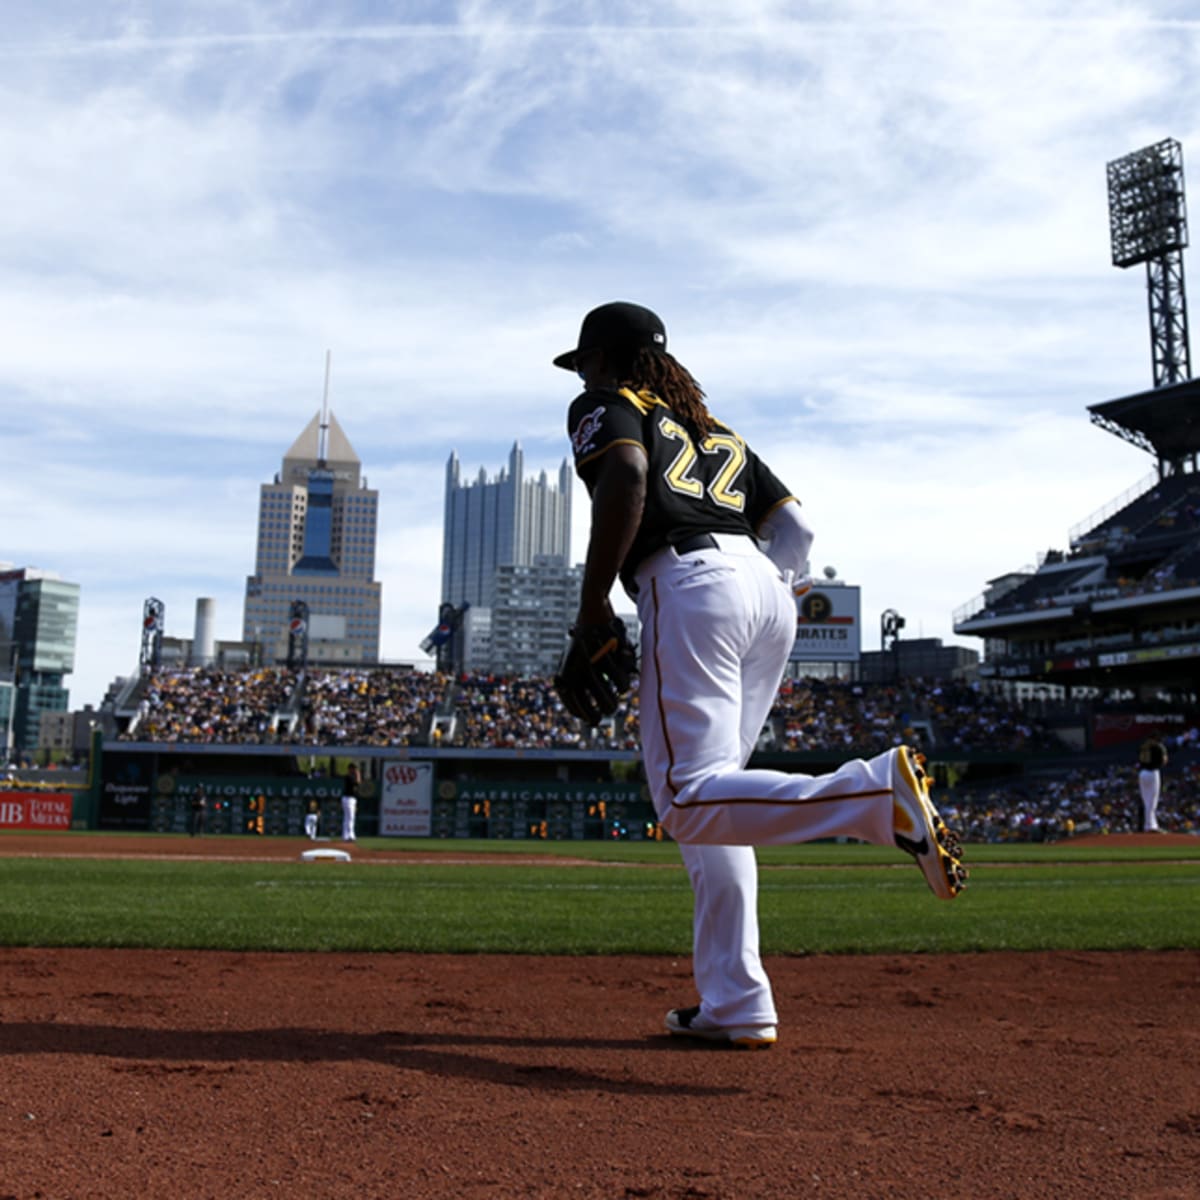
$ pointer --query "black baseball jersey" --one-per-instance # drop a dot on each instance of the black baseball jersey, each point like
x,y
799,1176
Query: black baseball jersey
x,y
1152,755
713,485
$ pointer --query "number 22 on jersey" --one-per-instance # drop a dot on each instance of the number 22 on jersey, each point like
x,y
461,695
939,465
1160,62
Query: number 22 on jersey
x,y
724,458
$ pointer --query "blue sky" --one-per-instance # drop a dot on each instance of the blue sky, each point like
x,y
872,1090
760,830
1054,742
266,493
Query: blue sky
x,y
878,237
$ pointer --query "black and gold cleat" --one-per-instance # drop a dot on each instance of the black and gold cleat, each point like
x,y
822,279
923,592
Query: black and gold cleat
x,y
920,831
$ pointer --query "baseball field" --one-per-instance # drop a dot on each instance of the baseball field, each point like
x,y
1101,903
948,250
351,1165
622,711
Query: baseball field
x,y
214,1017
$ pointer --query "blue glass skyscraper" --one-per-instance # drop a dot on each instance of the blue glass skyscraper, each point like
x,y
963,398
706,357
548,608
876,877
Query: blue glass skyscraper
x,y
39,615
509,521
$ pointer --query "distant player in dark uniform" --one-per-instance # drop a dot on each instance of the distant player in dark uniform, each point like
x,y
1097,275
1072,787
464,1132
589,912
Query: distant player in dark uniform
x,y
710,544
1152,757
199,811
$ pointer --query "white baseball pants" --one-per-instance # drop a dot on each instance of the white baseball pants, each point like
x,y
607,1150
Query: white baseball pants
x,y
1149,786
349,811
717,627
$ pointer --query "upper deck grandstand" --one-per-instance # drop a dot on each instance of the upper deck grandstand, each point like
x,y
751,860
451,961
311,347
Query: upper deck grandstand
x,y
1120,608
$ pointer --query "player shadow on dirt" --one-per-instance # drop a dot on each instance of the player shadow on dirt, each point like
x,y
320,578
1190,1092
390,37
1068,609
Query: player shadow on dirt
x,y
165,1051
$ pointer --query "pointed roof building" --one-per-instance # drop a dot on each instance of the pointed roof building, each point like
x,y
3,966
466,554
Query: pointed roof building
x,y
306,449
305,454
316,544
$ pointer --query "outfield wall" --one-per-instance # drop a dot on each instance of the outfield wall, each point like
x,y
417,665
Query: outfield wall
x,y
265,791
420,791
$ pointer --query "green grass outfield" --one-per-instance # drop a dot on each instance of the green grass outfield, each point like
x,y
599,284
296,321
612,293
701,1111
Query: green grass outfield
x,y
629,898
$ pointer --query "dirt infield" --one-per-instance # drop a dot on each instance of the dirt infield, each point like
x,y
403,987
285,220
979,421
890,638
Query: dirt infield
x,y
206,1074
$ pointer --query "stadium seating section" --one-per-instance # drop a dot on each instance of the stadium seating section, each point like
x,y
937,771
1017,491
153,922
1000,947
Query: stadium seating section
x,y
383,707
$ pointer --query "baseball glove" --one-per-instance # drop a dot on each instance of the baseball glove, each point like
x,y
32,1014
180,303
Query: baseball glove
x,y
597,669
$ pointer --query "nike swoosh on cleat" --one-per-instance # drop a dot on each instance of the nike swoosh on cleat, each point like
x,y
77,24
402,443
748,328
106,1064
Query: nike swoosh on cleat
x,y
916,849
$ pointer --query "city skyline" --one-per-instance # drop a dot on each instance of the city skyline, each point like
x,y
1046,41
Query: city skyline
x,y
879,240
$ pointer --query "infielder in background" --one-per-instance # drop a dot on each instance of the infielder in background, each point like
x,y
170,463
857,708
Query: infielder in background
x,y
1152,757
199,817
351,782
708,542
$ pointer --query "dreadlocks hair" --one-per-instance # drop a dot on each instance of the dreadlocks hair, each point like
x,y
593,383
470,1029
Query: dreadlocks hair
x,y
659,372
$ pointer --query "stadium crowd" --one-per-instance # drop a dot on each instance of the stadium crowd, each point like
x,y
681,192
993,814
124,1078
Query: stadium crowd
x,y
500,712
1096,800
871,718
359,707
385,707
812,713
969,718
203,704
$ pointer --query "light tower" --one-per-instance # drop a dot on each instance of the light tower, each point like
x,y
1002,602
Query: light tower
x,y
1147,217
153,620
890,624
1148,223
297,651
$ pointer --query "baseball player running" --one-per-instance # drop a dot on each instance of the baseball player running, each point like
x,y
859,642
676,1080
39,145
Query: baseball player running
x,y
708,542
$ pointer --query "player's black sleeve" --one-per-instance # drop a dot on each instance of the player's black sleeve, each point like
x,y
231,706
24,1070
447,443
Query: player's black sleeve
x,y
765,491
598,420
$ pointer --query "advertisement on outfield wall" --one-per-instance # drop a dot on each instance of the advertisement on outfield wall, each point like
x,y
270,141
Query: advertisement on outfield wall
x,y
406,803
126,790
35,810
828,628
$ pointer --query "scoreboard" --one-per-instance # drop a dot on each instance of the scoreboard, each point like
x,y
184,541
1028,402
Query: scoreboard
x,y
545,810
258,807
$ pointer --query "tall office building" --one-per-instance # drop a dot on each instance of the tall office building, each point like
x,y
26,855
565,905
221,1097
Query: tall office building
x,y
39,615
316,544
504,522
506,546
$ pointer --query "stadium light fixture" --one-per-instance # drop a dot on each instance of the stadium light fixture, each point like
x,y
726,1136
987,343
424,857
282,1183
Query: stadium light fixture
x,y
1147,215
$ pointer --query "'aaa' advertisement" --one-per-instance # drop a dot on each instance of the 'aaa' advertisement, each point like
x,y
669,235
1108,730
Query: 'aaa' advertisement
x,y
406,805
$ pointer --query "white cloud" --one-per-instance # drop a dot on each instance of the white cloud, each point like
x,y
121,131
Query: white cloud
x,y
878,236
